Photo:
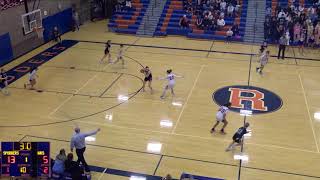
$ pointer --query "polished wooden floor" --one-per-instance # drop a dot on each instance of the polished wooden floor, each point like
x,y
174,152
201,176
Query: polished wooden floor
x,y
284,144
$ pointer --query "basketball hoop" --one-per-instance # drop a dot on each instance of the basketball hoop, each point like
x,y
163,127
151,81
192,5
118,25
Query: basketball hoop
x,y
39,31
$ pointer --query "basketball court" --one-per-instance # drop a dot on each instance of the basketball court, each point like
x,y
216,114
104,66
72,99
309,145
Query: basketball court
x,y
79,91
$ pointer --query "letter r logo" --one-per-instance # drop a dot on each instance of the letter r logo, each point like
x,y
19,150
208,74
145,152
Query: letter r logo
x,y
238,96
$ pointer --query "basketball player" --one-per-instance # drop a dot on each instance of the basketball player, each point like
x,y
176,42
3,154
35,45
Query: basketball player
x,y
221,117
120,55
32,79
107,52
4,82
147,78
237,137
171,82
264,58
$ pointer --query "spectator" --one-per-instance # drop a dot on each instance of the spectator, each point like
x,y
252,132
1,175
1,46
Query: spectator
x,y
230,10
168,177
221,23
282,46
267,28
58,167
184,22
317,34
78,142
73,168
223,6
128,5
297,32
56,34
235,29
76,20
229,35
199,23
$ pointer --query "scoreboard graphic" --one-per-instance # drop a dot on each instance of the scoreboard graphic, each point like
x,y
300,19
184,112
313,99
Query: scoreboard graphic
x,y
25,159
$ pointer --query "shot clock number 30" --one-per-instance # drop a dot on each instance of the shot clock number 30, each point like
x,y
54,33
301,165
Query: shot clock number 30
x,y
27,159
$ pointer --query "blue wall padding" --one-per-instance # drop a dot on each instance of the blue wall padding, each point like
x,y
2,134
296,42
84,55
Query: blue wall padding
x,y
6,53
62,20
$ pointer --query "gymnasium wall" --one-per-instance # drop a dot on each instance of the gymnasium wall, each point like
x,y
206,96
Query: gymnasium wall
x,y
10,20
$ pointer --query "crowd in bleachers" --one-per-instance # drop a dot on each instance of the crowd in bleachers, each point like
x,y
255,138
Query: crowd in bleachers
x,y
6,4
210,14
298,22
123,5
64,167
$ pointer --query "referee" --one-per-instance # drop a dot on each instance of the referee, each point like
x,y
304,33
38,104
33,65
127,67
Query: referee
x,y
78,142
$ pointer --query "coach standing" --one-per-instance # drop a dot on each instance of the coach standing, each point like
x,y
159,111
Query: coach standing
x,y
282,46
78,142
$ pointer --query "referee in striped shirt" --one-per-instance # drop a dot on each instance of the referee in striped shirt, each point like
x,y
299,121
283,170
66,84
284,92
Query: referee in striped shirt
x,y
78,142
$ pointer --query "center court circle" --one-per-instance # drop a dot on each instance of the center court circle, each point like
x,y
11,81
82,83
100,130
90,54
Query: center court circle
x,y
256,99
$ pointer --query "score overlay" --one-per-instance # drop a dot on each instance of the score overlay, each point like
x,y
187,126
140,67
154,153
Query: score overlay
x,y
27,159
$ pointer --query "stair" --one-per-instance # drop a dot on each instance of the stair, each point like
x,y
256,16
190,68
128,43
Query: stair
x,y
254,32
151,18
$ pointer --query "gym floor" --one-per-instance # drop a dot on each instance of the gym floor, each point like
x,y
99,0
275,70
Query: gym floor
x,y
80,91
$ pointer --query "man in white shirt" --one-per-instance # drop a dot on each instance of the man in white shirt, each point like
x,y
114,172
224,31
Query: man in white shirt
x,y
221,23
230,10
78,142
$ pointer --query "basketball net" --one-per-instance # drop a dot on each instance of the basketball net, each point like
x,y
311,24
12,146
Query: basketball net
x,y
39,31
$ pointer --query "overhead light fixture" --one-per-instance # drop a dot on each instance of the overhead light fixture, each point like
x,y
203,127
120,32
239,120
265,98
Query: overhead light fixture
x,y
316,116
138,178
244,112
176,103
109,116
242,157
90,138
123,98
154,147
166,123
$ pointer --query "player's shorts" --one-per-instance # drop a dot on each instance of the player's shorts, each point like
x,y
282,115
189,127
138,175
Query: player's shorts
x,y
149,78
106,51
300,43
219,118
236,138
263,63
170,85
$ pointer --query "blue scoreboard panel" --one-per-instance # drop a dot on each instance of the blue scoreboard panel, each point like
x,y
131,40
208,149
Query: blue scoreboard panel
x,y
27,159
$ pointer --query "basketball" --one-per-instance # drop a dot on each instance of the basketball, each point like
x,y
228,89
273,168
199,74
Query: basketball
x,y
141,70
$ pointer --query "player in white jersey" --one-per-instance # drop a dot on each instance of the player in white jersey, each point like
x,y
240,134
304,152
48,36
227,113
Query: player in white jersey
x,y
171,82
221,117
264,58
32,79
120,55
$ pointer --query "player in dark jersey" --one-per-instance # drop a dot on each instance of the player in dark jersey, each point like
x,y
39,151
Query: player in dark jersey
x,y
4,82
147,78
107,52
237,137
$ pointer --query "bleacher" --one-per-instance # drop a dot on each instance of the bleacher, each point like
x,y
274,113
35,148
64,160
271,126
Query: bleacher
x,y
285,3
128,21
173,11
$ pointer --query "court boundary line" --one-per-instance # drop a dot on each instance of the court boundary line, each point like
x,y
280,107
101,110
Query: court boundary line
x,y
186,102
308,111
112,83
70,97
199,50
178,157
103,172
210,49
155,171
198,137
195,56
